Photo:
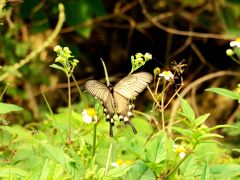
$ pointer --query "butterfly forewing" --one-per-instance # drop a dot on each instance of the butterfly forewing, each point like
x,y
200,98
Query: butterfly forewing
x,y
133,84
98,89
102,92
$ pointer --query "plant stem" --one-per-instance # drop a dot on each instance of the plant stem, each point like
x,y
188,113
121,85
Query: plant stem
x,y
4,91
94,138
108,159
79,90
69,110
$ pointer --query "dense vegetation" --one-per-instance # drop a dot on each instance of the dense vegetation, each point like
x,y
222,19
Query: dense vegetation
x,y
187,118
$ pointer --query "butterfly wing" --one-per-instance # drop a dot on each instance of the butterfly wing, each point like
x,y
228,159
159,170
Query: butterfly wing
x,y
125,90
102,92
133,84
124,109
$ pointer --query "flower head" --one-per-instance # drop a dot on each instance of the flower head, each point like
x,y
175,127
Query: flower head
x,y
167,75
180,150
235,43
147,56
229,52
89,115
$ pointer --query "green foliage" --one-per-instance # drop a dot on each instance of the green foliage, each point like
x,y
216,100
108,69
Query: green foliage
x,y
6,108
225,92
79,11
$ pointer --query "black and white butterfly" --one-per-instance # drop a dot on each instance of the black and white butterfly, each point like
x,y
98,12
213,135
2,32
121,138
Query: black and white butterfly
x,y
117,99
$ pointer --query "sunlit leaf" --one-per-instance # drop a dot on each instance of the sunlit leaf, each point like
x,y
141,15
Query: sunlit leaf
x,y
6,108
156,150
6,172
225,92
187,110
201,119
140,171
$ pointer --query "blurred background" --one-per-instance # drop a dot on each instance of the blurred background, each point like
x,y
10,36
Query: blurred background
x,y
197,32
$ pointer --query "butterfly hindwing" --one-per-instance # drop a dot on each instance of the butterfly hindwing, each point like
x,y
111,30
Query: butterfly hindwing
x,y
124,109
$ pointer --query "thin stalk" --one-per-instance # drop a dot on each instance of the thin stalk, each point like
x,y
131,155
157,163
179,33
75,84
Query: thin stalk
x,y
94,138
4,91
162,112
106,73
79,90
108,159
235,60
69,110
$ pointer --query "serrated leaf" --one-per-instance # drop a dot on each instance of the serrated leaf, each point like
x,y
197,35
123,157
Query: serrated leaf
x,y
59,156
6,108
225,92
201,119
156,150
189,166
187,109
140,171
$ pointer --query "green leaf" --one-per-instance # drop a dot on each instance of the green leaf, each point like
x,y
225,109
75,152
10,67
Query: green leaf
x,y
201,119
225,170
156,151
225,92
187,110
55,66
7,172
209,136
189,166
184,132
6,108
141,172
78,12
206,172
118,171
20,133
58,156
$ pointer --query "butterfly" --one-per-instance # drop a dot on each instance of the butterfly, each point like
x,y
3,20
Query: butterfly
x,y
117,99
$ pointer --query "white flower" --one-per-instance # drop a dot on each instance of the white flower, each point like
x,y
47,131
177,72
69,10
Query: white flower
x,y
167,75
114,164
89,115
235,43
182,155
180,150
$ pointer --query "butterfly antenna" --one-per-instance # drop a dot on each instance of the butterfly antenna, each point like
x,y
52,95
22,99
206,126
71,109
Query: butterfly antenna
x,y
132,126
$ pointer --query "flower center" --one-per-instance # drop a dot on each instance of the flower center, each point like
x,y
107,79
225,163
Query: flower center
x,y
91,112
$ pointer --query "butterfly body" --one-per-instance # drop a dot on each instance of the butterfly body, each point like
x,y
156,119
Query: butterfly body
x,y
117,99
